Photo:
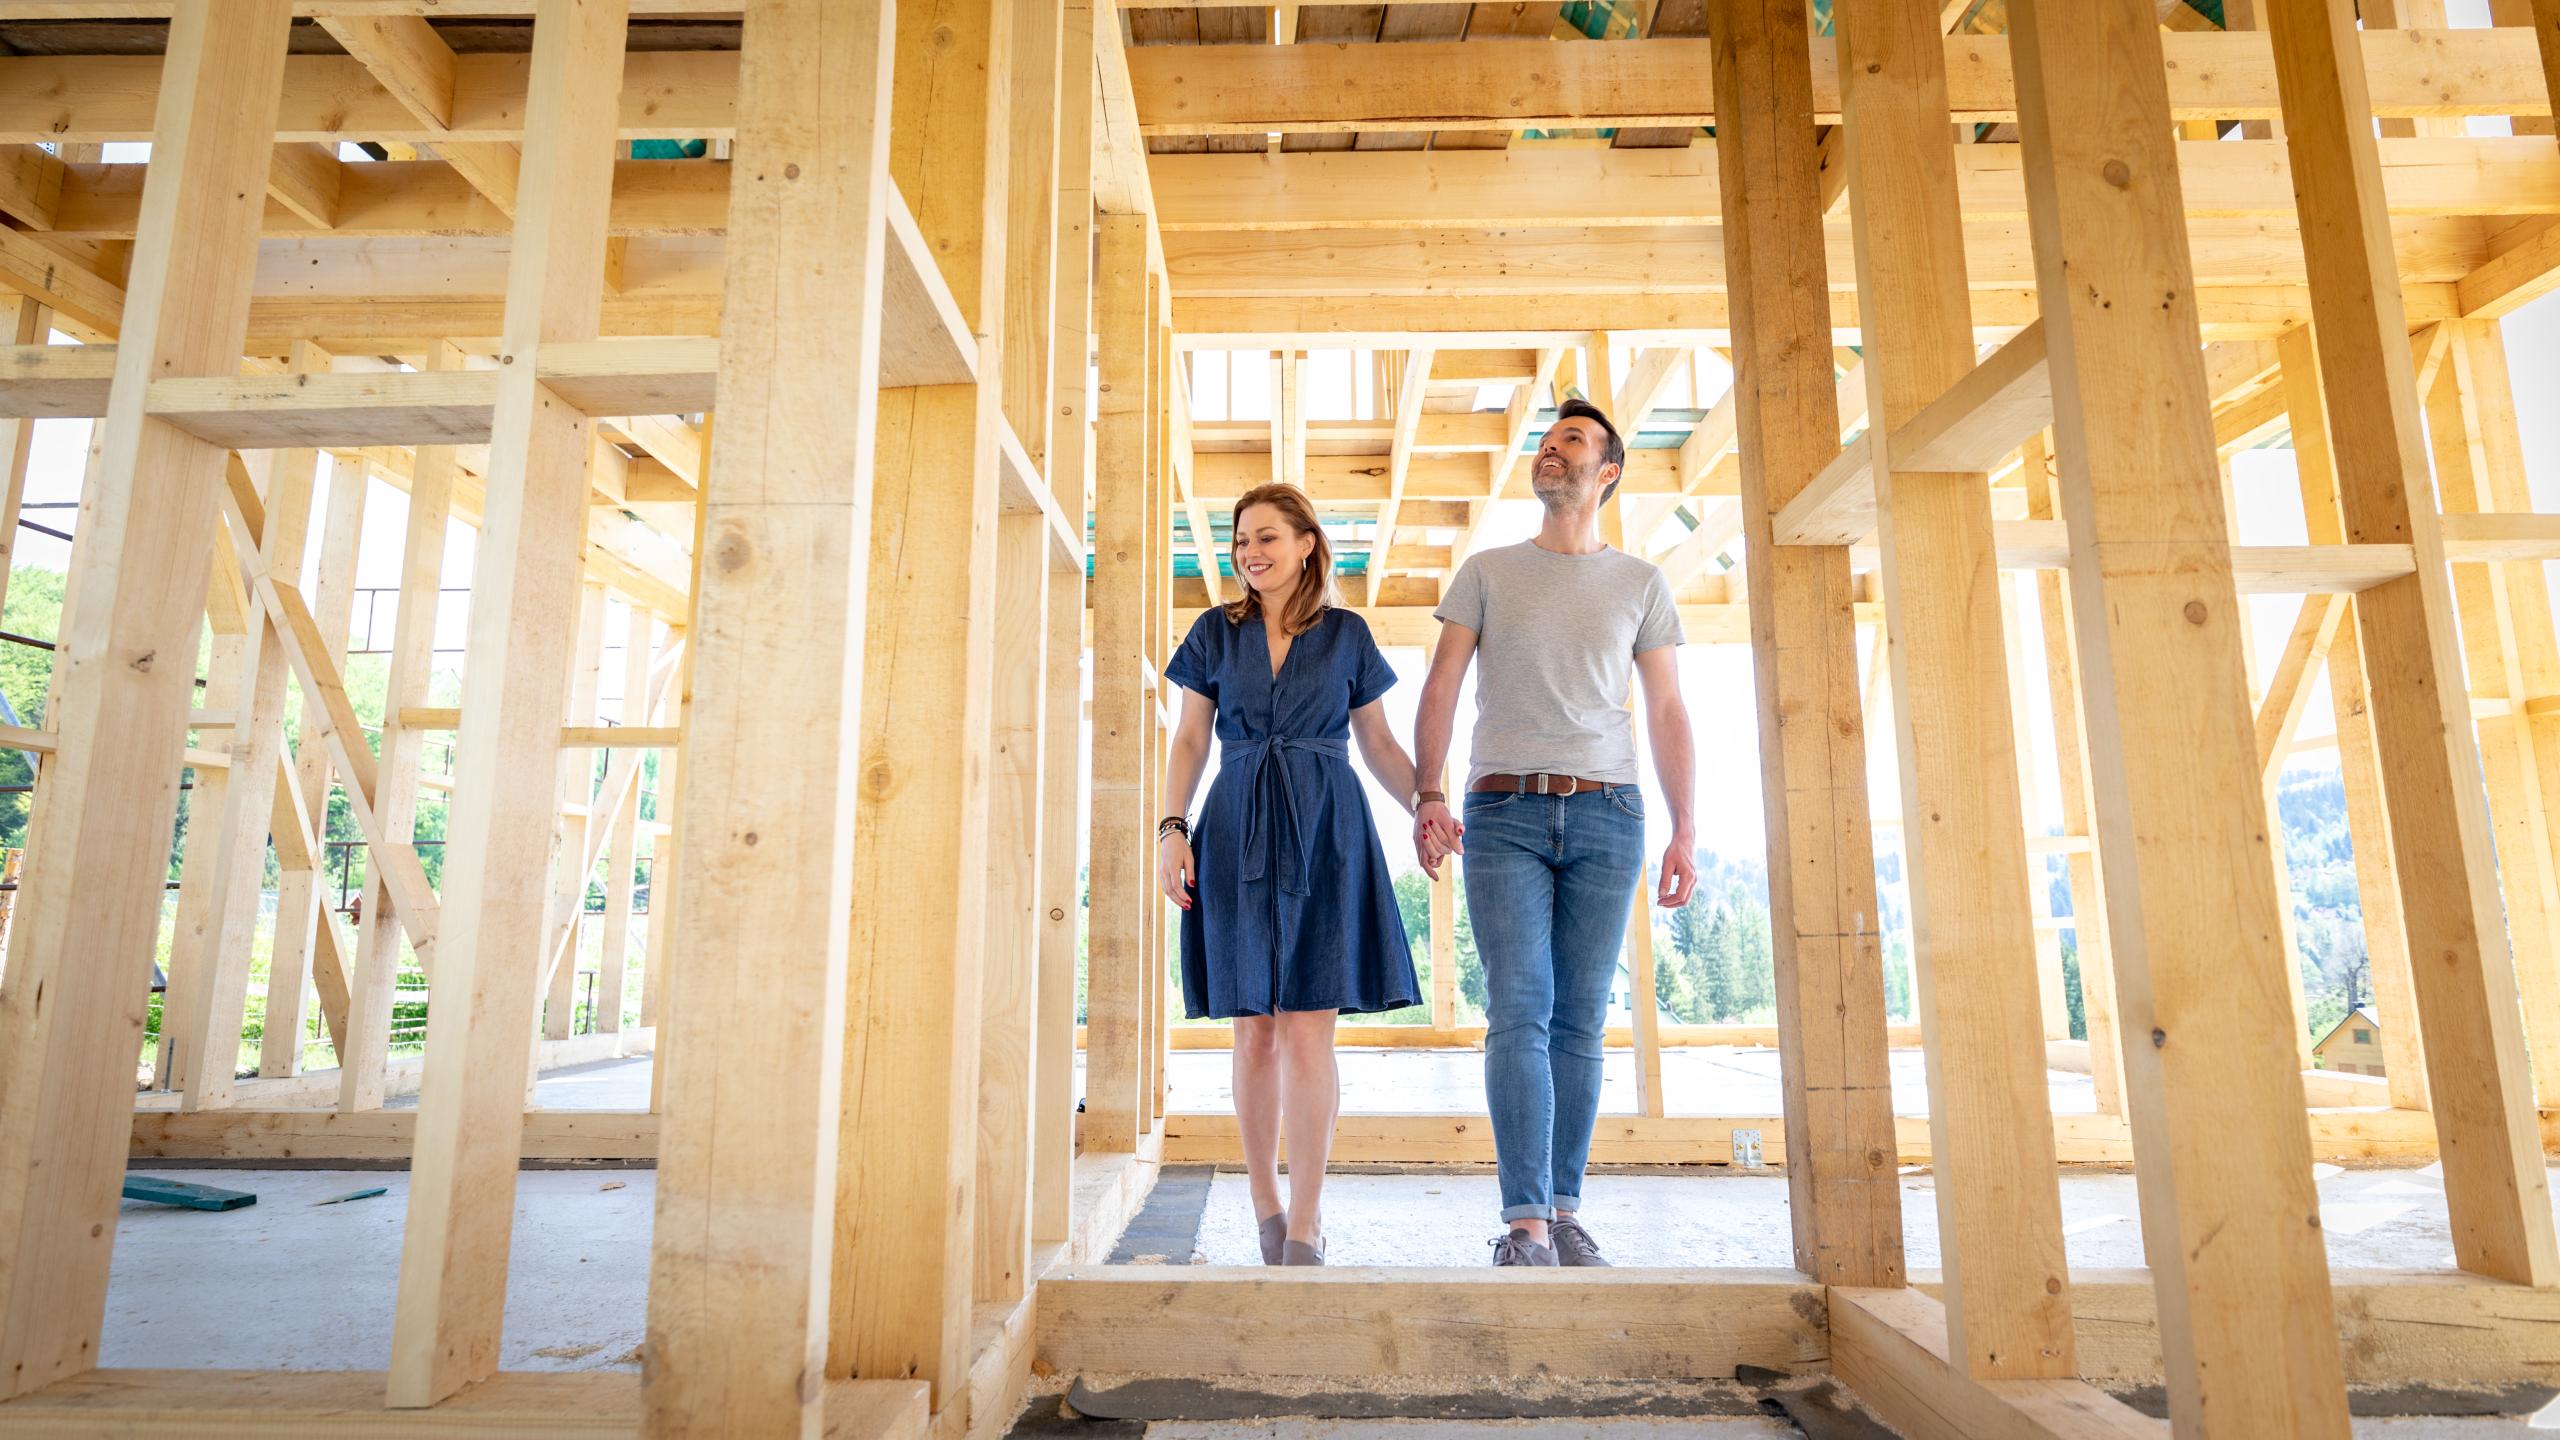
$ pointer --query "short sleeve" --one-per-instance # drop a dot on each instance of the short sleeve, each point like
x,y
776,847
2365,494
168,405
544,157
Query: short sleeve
x,y
1194,666
1372,676
1463,603
1661,623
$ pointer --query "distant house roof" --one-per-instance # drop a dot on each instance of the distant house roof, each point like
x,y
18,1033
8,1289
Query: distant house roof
x,y
2362,1012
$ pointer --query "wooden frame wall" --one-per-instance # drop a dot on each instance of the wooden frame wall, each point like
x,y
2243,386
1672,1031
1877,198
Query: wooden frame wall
x,y
992,192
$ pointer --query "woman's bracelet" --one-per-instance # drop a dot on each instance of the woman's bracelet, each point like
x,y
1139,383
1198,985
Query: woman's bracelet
x,y
1174,825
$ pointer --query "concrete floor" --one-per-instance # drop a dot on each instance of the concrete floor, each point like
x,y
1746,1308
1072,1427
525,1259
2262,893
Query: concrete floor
x,y
1709,1081
291,1284
1718,1080
2373,1218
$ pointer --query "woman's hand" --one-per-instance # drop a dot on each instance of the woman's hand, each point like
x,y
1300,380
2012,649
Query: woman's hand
x,y
1174,872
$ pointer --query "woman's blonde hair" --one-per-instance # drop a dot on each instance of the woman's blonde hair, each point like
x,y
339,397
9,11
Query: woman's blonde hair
x,y
1314,590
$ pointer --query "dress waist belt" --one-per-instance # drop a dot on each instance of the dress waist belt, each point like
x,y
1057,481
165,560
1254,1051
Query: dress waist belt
x,y
1273,778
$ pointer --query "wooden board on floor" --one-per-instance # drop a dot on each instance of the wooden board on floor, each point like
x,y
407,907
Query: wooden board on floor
x,y
1361,1321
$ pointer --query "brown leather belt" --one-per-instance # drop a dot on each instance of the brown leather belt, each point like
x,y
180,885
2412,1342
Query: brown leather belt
x,y
1537,784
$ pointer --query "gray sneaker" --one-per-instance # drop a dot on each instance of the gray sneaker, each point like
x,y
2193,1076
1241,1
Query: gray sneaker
x,y
1574,1245
1517,1248
1274,1230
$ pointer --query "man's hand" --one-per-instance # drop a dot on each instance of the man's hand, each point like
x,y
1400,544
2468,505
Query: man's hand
x,y
1679,872
1437,834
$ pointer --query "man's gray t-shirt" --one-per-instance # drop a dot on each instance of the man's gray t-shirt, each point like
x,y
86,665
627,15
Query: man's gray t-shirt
x,y
1556,639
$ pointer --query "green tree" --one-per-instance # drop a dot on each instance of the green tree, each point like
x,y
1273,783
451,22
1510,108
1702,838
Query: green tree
x,y
2074,998
1755,973
1684,959
34,610
1720,994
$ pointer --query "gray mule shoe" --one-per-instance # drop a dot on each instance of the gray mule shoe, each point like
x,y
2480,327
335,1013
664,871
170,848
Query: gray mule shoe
x,y
1517,1248
1299,1252
1274,1230
1574,1245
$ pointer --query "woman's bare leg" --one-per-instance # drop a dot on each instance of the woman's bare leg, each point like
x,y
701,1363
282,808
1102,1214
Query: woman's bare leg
x,y
1309,1106
1257,1089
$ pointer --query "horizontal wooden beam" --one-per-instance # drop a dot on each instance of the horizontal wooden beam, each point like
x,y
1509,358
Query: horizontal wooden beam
x,y
1365,1321
242,1404
311,1134
1532,186
1658,260
1662,83
1671,317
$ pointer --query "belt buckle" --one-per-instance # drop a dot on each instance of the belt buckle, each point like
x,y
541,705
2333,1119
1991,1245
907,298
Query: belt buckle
x,y
1574,784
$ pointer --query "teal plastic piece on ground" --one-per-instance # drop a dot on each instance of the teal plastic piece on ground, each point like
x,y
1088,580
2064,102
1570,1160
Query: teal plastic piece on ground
x,y
152,1190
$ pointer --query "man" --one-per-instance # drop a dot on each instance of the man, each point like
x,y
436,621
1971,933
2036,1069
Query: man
x,y
1554,824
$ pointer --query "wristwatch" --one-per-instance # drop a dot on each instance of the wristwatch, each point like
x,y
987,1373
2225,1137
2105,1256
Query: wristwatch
x,y
1420,797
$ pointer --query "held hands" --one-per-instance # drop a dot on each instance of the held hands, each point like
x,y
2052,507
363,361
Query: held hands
x,y
1437,835
1174,872
1679,872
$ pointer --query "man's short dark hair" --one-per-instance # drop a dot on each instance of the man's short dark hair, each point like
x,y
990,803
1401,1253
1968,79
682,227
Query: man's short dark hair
x,y
1616,450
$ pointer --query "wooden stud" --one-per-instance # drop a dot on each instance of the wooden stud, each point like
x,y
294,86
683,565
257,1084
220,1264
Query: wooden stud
x,y
2350,693
2513,655
1069,467
85,939
900,1296
1844,1201
2189,883
741,1273
2476,1078
1122,875
613,964
2071,762
453,1266
413,630
573,825
1007,1047
2009,1310
207,1034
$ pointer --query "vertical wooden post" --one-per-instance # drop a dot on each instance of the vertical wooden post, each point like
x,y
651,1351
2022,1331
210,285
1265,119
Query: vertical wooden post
x,y
1068,462
2230,1218
34,322
1006,1046
2507,633
307,937
1162,377
2008,1300
2071,765
2476,1075
1009,1042
453,1267
1122,883
374,985
208,1034
86,933
904,1192
1843,1199
614,961
2350,693
1053,1049
577,793
740,1272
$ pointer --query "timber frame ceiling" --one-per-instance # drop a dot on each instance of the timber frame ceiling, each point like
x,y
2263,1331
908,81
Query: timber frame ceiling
x,y
1409,180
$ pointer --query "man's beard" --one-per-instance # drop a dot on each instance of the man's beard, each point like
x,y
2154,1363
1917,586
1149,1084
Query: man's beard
x,y
1563,487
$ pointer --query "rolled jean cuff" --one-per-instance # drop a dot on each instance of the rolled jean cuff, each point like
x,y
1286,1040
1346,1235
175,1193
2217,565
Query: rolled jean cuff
x,y
1570,1203
1529,1212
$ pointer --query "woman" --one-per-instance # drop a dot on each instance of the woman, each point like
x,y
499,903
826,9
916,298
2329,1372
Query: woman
x,y
1289,917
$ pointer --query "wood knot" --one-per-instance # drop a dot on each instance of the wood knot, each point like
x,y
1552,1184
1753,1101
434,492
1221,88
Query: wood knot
x,y
2117,173
2195,612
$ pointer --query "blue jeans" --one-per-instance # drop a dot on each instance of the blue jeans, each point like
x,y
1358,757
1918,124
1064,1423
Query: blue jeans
x,y
1550,880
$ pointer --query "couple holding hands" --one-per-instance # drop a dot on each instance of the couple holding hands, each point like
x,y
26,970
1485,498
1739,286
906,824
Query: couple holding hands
x,y
1289,914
